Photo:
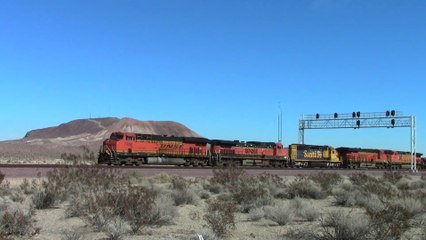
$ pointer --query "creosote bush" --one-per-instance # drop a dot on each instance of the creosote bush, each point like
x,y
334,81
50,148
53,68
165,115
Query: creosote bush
x,y
249,194
392,176
326,180
281,214
1,177
337,225
230,175
72,234
255,214
304,187
100,197
220,217
16,221
391,221
304,209
181,192
247,191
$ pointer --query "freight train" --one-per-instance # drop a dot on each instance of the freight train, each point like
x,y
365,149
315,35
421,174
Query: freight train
x,y
126,148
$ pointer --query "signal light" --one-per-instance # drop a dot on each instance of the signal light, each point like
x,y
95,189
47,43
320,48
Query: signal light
x,y
358,123
353,114
358,114
335,115
393,112
387,113
393,122
317,115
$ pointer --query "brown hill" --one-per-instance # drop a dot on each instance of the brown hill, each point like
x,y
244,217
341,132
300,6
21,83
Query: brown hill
x,y
48,144
76,127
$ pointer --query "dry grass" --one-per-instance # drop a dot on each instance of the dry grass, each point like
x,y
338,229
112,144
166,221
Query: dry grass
x,y
119,206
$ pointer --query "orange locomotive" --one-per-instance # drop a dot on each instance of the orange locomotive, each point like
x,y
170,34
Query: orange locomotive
x,y
376,158
136,149
125,148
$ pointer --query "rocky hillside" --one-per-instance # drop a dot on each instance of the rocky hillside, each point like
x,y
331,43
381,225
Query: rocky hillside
x,y
77,136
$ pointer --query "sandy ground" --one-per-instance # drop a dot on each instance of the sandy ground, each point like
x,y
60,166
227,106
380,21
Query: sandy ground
x,y
186,225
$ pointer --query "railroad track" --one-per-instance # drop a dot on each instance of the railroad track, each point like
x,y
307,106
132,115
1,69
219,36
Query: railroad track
x,y
190,167
36,170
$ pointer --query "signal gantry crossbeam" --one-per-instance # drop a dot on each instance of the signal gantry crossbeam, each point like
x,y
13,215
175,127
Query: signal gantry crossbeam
x,y
388,119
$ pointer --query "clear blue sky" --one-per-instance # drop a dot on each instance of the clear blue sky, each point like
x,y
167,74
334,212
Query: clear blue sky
x,y
219,67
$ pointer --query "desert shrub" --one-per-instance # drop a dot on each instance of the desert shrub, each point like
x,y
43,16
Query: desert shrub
x,y
69,180
14,221
204,194
133,204
76,207
163,211
17,195
372,185
392,176
184,196
305,188
383,190
348,195
26,187
230,175
134,177
162,178
326,180
372,203
224,197
44,196
280,214
5,188
85,154
305,209
249,194
181,192
97,220
61,183
345,194
212,187
361,178
275,184
255,214
411,205
390,222
72,234
116,228
336,225
220,217
405,184
179,183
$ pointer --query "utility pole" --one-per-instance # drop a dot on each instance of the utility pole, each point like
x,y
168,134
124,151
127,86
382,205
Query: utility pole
x,y
280,123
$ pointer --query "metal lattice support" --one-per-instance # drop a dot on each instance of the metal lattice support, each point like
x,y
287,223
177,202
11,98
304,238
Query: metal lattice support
x,y
388,119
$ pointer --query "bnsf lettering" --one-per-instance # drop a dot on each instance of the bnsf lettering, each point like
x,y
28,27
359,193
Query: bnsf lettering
x,y
251,151
169,146
313,154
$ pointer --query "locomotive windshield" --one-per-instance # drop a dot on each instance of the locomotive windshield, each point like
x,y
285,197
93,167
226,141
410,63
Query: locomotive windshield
x,y
116,136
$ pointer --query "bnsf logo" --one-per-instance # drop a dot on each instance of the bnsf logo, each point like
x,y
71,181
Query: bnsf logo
x,y
169,146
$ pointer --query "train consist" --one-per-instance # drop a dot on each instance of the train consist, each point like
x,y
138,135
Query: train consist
x,y
125,148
